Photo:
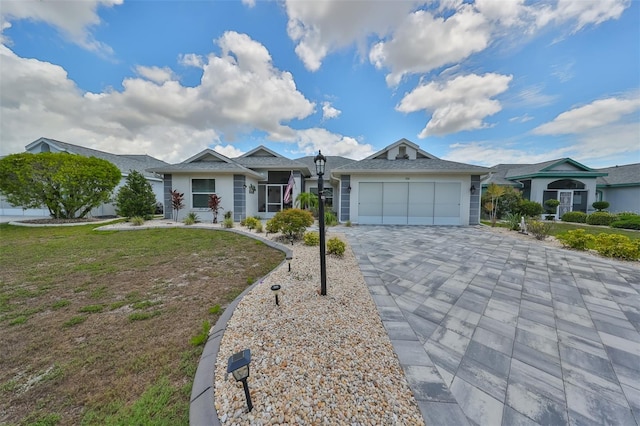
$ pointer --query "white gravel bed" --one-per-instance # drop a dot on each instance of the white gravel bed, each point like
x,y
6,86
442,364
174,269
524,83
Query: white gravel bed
x,y
314,359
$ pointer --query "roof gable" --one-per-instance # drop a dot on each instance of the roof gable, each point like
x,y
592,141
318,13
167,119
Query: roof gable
x,y
261,151
566,164
208,156
402,149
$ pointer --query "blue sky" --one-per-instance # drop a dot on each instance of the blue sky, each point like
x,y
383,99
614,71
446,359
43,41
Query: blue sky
x,y
484,82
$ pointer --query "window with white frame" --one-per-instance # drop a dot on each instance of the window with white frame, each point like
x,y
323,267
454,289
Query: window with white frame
x,y
200,191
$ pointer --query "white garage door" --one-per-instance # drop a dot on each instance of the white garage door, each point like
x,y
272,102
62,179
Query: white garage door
x,y
409,203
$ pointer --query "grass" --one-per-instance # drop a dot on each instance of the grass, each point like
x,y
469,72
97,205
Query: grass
x,y
115,312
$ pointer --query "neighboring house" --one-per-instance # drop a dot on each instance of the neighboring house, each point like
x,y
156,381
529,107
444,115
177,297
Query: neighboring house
x,y
620,187
400,184
125,163
575,185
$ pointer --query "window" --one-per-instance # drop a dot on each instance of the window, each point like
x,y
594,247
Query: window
x,y
328,196
200,191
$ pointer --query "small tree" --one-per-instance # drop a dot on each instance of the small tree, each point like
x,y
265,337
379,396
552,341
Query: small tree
x,y
494,192
68,185
215,206
307,201
291,222
136,197
530,208
600,205
177,203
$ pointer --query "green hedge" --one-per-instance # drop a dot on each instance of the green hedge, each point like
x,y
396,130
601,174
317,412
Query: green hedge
x,y
576,217
627,222
601,218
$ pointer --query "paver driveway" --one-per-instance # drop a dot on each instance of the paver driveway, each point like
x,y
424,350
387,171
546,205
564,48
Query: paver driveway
x,y
493,330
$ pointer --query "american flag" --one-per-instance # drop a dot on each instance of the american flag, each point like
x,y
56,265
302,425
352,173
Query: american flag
x,y
289,190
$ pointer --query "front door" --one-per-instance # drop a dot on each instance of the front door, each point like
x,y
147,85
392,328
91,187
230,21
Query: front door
x,y
566,202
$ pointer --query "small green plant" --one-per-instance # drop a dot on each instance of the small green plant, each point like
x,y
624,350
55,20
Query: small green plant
x,y
259,229
215,309
551,205
618,246
203,335
19,320
330,219
348,224
291,222
577,239
191,219
137,221
600,205
243,221
227,214
58,304
141,316
530,208
540,230
250,280
575,217
272,226
227,223
336,246
513,220
92,309
74,321
251,222
601,218
311,239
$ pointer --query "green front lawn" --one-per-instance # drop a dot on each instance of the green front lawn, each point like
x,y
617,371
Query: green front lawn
x,y
95,327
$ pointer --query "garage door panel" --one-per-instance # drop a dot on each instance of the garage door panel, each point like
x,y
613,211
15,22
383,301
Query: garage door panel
x,y
420,209
447,204
394,203
370,203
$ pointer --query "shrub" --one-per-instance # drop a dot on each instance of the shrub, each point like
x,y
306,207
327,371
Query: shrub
x,y
348,223
292,222
311,239
191,218
227,214
618,246
600,205
136,197
137,221
336,246
575,217
243,221
259,227
601,218
271,226
215,205
330,219
577,239
627,222
551,205
227,223
513,220
530,208
540,230
177,203
251,222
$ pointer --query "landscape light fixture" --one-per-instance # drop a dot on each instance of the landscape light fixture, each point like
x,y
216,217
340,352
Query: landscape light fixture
x,y
238,365
276,290
320,161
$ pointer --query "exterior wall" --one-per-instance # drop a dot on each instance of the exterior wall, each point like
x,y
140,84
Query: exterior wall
x,y
539,185
474,202
464,181
393,152
240,188
251,204
224,189
622,199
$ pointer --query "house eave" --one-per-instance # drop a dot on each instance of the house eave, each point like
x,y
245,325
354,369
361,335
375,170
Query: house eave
x,y
558,175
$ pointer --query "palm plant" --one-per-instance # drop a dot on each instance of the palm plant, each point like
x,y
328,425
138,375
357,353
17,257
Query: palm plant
x,y
307,201
177,203
214,205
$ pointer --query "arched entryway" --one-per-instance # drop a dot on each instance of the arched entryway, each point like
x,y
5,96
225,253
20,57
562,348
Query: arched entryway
x,y
570,192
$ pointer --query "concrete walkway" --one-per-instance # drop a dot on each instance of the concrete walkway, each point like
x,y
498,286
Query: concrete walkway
x,y
493,330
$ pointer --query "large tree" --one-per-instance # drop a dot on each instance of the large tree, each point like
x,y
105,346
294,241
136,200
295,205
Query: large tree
x,y
68,185
136,197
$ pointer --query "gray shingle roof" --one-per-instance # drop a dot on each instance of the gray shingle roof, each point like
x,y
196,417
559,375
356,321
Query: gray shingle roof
x,y
333,162
420,165
628,174
271,163
125,163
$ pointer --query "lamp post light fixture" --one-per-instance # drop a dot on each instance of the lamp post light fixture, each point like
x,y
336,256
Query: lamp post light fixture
x,y
238,365
276,290
320,161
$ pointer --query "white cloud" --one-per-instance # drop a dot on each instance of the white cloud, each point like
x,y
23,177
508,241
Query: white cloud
x,y
521,119
73,19
488,154
249,3
228,150
155,74
320,27
240,91
458,104
583,12
596,114
191,60
329,112
424,42
508,13
311,140
533,96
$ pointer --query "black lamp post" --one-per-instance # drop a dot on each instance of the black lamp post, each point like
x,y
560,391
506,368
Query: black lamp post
x,y
320,161
238,365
